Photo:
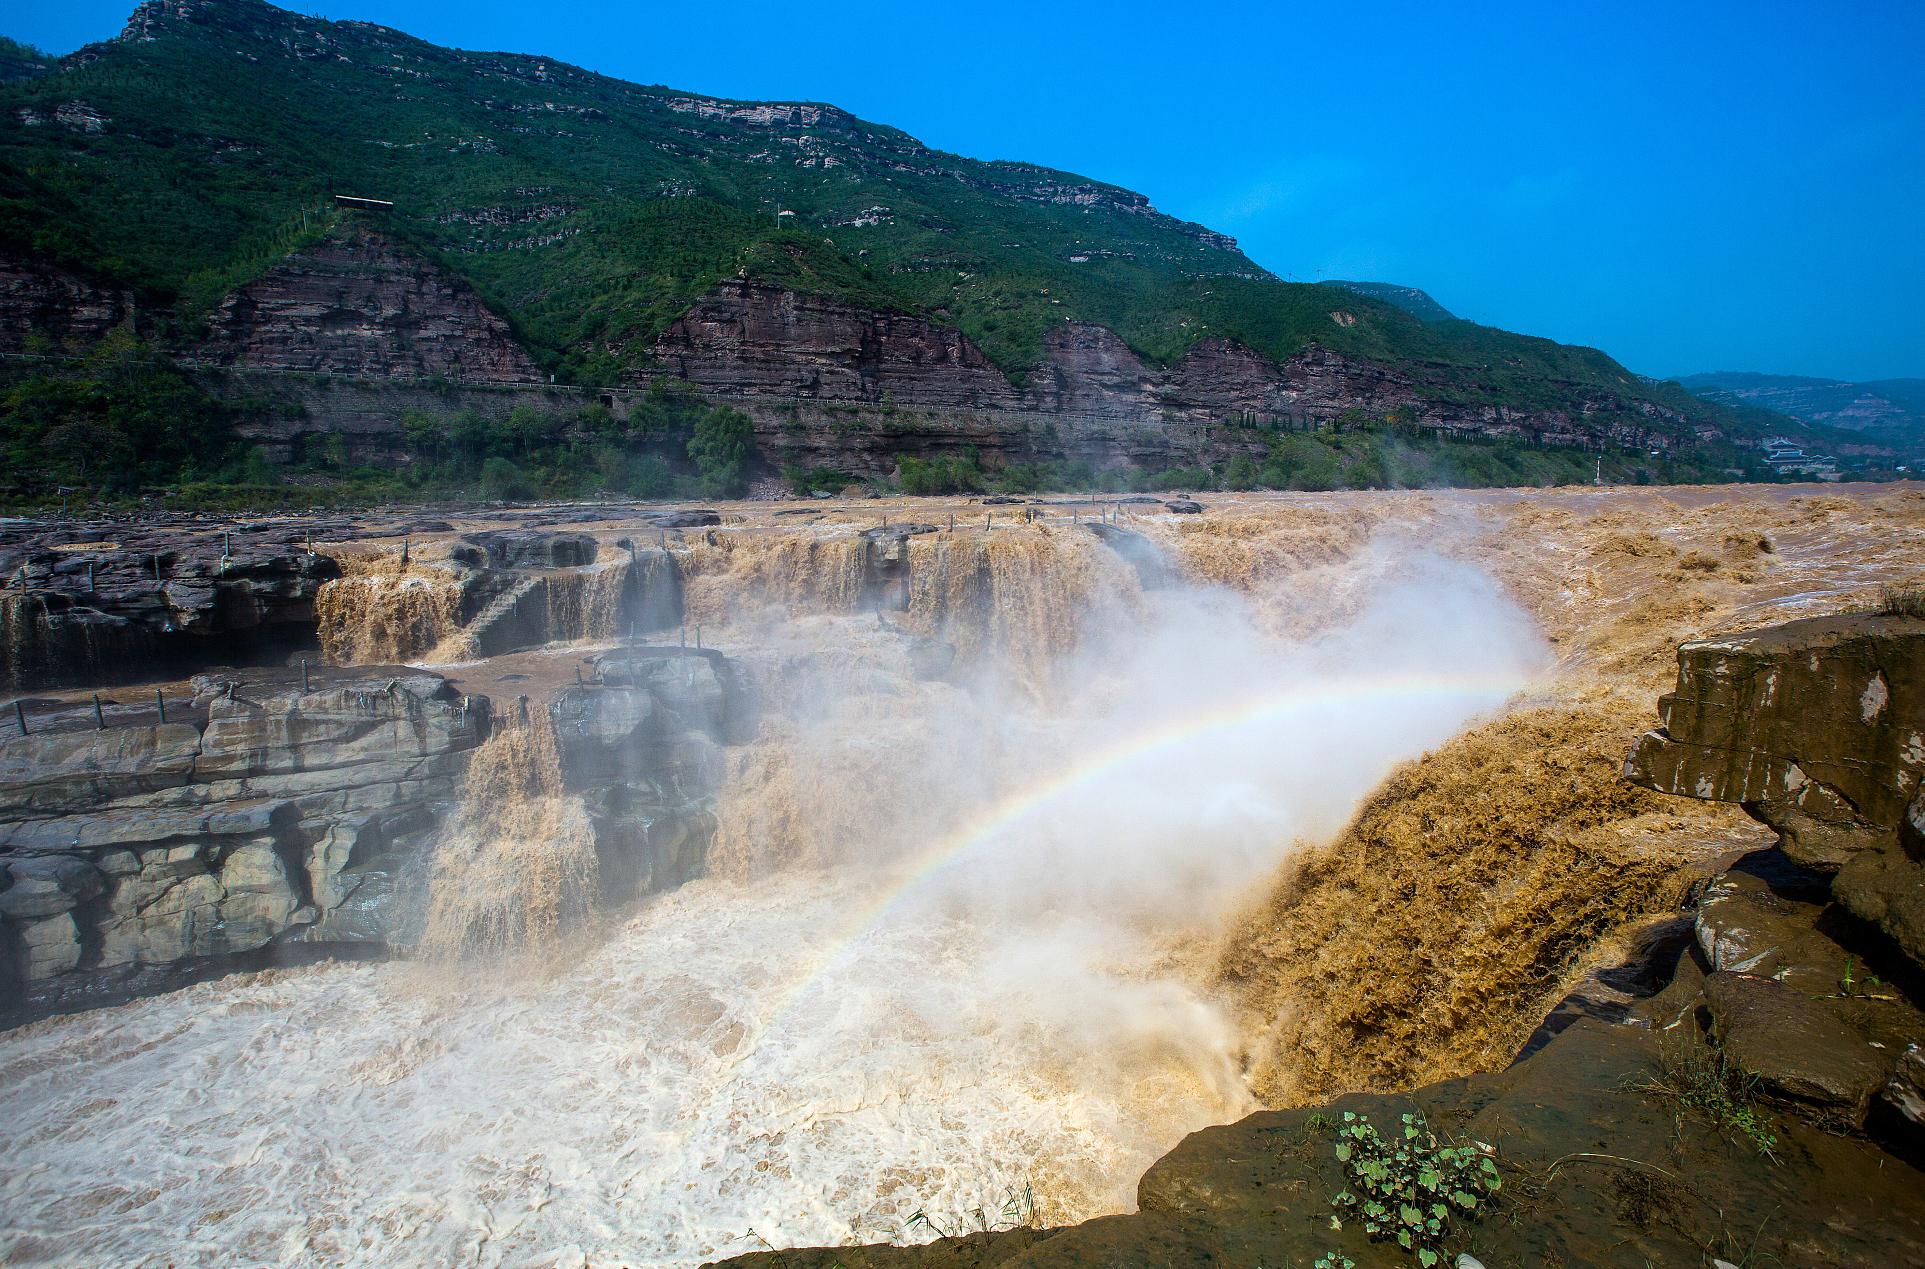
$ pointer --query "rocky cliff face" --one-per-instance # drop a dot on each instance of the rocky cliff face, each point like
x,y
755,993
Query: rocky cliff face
x,y
98,606
1817,728
787,357
255,819
266,821
38,299
358,304
829,384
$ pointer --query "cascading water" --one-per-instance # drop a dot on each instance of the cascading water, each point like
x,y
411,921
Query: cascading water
x,y
515,868
383,609
957,940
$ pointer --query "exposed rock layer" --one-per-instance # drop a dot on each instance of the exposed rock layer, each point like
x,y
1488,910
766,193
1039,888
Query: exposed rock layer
x,y
357,304
38,299
147,853
1817,728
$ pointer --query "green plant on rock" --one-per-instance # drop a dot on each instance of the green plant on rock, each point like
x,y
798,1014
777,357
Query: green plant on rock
x,y
1334,1260
1409,1187
1702,1079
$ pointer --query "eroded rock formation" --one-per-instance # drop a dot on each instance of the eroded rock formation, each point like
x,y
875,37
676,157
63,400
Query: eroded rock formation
x,y
37,298
1817,728
922,387
255,818
358,304
100,605
262,823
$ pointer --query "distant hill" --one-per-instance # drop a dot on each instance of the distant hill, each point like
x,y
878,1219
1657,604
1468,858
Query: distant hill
x,y
1417,303
1891,410
21,61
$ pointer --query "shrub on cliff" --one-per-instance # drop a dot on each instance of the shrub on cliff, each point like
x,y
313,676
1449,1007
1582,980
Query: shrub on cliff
x,y
723,442
947,474
120,418
502,481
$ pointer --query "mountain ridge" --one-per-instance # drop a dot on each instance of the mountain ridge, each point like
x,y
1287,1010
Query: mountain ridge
x,y
184,176
1891,410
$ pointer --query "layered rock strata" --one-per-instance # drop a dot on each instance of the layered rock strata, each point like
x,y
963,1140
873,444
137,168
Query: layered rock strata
x,y
358,304
264,823
98,605
256,822
640,741
38,299
1816,728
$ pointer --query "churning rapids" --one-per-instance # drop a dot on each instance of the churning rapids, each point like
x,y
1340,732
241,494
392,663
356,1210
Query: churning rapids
x,y
951,951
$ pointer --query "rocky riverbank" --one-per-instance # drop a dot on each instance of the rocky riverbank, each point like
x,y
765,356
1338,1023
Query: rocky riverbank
x,y
275,817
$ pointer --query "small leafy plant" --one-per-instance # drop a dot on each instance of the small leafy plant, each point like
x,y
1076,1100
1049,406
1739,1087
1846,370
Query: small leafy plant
x,y
1409,1186
1334,1260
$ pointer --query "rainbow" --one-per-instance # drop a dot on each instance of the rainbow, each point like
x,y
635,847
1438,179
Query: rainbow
x,y
1025,803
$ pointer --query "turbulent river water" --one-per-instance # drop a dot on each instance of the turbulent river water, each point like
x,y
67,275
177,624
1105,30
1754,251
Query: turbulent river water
x,y
948,962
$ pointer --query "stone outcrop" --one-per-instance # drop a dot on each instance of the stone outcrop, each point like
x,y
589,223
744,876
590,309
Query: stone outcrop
x,y
259,822
99,605
37,298
359,304
641,742
1817,728
263,823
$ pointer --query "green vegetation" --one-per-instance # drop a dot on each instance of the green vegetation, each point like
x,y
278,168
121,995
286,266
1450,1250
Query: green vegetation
x,y
806,482
123,422
1409,1187
1697,1078
121,419
941,475
590,212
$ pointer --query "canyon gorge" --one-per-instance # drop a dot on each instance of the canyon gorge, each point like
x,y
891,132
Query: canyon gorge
x,y
653,885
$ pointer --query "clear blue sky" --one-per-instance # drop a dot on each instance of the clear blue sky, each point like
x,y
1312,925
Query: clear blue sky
x,y
1688,186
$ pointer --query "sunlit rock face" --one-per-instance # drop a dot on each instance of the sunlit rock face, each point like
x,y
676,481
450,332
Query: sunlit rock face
x,y
148,853
359,304
1818,729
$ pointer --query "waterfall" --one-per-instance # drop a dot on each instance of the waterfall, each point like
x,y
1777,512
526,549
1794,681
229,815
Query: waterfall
x,y
382,609
515,869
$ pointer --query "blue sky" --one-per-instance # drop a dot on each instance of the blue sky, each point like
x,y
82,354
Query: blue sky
x,y
1689,187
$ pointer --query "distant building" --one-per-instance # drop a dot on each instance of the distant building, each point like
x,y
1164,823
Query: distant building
x,y
358,203
1782,454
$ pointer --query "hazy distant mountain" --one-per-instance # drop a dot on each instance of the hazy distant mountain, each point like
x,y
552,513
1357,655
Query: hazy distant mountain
x,y
1886,409
1418,304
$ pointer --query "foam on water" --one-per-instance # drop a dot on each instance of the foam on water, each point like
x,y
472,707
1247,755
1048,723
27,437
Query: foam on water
x,y
828,1036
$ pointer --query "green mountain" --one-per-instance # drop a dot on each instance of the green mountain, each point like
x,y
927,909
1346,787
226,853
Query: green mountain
x,y
859,296
1891,410
590,212
1418,304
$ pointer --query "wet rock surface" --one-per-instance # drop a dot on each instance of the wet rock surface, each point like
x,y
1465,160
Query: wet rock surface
x,y
1818,729
101,605
641,741
271,822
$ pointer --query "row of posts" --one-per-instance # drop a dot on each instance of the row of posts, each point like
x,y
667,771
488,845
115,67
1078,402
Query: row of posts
x,y
22,581
160,699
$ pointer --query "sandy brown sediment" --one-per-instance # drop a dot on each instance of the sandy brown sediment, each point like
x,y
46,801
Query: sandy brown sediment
x,y
1484,879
